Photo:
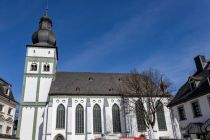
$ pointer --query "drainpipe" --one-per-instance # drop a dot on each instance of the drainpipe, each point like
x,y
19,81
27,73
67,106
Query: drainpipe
x,y
173,125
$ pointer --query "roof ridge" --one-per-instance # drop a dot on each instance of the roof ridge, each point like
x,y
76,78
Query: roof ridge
x,y
92,72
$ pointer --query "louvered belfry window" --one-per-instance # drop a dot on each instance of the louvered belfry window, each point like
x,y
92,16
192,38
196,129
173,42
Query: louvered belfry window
x,y
116,118
140,116
79,119
33,67
46,67
161,117
96,119
60,120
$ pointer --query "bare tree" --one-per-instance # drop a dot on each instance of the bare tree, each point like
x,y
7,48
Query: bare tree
x,y
146,88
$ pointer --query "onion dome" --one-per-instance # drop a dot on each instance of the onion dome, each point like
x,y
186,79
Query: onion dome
x,y
44,36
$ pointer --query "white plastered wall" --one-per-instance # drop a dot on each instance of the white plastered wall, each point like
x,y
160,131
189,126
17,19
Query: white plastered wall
x,y
41,52
30,89
44,88
27,125
107,129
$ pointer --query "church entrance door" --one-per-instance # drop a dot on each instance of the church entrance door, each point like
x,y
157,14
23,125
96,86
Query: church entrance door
x,y
59,137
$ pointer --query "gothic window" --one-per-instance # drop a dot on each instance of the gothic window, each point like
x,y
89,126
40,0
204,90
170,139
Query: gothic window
x,y
46,67
96,119
79,119
116,118
33,67
140,116
161,116
60,120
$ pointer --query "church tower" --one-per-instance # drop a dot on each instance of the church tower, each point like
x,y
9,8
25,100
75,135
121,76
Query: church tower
x,y
40,67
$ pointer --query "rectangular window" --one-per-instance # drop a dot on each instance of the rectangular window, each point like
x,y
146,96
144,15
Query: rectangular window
x,y
8,130
10,111
209,99
196,109
1,108
1,129
181,112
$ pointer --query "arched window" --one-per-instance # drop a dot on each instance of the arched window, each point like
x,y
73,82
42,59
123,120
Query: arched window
x,y
116,118
79,119
96,119
59,137
33,67
46,67
140,116
161,116
60,120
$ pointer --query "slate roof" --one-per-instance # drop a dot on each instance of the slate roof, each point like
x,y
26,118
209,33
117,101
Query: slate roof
x,y
86,83
2,84
89,83
185,93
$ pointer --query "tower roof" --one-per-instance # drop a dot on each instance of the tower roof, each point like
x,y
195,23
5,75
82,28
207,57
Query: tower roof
x,y
44,36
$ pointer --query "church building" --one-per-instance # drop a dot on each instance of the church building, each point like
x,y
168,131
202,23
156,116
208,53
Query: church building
x,y
76,105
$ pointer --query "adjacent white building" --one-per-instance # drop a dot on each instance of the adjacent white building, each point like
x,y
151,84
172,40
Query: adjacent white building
x,y
191,105
7,109
75,105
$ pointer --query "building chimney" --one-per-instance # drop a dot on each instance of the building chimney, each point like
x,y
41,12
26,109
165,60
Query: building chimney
x,y
200,62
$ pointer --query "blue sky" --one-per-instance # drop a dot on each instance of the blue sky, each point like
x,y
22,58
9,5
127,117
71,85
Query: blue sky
x,y
109,35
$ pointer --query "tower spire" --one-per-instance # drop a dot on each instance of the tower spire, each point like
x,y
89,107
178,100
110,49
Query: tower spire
x,y
44,36
46,9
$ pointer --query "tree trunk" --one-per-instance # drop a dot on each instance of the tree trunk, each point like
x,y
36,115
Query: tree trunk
x,y
150,133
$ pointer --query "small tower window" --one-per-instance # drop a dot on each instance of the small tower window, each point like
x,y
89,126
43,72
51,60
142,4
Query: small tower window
x,y
46,67
33,67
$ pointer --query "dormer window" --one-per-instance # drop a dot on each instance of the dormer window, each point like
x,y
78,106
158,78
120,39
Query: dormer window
x,y
111,89
77,89
46,67
119,79
33,67
192,85
90,78
7,91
